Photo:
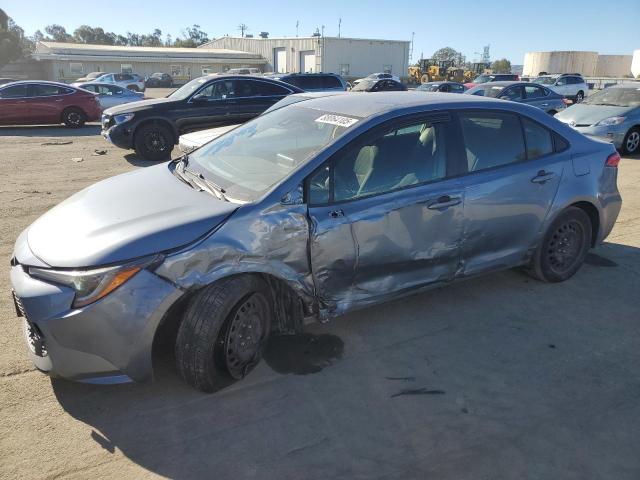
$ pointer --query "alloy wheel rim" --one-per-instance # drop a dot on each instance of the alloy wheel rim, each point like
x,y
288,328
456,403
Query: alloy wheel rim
x,y
155,142
565,246
633,141
579,98
73,118
244,336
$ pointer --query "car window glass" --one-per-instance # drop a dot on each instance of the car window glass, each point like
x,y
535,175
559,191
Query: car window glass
x,y
15,91
308,82
538,138
91,88
329,81
533,91
266,89
398,158
218,90
561,81
513,93
491,140
117,91
457,88
44,90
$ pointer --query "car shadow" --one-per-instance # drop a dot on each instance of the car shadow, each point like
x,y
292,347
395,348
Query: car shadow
x,y
88,130
443,370
137,161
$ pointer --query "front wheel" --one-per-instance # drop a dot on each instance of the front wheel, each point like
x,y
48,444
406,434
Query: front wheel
x,y
579,97
154,142
133,88
224,332
564,246
631,142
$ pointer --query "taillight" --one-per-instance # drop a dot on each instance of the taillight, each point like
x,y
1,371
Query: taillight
x,y
613,160
566,101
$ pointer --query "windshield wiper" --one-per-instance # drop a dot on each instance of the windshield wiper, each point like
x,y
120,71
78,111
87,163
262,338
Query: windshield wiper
x,y
198,179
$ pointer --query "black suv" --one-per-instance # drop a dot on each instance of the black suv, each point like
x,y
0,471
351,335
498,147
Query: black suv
x,y
152,127
159,79
314,82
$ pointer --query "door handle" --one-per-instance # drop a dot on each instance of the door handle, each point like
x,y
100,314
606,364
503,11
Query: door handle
x,y
336,213
444,201
543,177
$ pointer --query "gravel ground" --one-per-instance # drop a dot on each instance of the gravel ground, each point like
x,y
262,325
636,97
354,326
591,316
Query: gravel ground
x,y
497,377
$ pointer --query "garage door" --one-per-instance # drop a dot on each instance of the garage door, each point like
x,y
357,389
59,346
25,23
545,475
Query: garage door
x,y
280,60
308,61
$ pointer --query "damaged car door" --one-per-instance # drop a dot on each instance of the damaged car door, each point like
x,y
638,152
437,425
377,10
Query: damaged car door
x,y
384,216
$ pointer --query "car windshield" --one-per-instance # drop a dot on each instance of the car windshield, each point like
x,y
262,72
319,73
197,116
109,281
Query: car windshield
x,y
188,88
364,85
619,97
545,80
249,160
288,100
487,91
482,79
428,88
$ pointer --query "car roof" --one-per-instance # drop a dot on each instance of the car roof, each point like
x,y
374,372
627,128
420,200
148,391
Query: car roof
x,y
445,82
360,105
46,82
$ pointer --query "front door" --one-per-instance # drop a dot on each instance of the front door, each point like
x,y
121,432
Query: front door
x,y
13,105
384,216
45,103
208,108
510,184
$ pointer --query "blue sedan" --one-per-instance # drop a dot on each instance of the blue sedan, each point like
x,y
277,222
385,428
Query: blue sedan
x,y
311,210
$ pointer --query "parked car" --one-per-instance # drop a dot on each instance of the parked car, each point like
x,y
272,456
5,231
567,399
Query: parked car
x,y
5,80
159,79
39,102
190,141
492,77
523,92
131,81
384,85
571,86
311,210
611,115
152,127
450,87
111,95
90,77
377,76
314,82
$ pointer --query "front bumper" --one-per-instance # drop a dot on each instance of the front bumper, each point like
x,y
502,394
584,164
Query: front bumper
x,y
119,135
106,342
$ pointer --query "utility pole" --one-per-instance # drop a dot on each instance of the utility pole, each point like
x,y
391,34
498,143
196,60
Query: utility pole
x,y
339,26
297,25
243,28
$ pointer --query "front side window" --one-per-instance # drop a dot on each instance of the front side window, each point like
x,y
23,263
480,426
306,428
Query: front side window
x,y
252,158
491,140
533,92
44,90
384,162
538,138
15,91
513,93
457,88
221,89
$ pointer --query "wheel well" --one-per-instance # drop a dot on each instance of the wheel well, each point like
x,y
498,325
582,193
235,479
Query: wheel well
x,y
289,312
155,121
594,216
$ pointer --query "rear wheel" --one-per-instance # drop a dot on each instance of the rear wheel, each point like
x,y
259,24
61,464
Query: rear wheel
x,y
564,246
579,96
223,333
74,117
154,142
631,142
133,88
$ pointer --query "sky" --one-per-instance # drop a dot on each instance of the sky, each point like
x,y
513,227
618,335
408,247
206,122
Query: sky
x,y
510,28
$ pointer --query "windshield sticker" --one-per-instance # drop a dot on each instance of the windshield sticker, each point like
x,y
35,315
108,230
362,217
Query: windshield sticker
x,y
336,120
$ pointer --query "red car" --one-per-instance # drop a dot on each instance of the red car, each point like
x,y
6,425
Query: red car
x,y
38,102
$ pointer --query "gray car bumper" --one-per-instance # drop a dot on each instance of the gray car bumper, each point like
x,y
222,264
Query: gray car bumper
x,y
108,341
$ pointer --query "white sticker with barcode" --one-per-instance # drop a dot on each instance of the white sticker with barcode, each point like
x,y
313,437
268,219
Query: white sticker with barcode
x,y
336,120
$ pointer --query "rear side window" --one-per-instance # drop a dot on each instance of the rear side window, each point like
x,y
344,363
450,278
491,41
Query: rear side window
x,y
457,88
534,92
44,90
491,140
330,81
15,91
307,82
265,89
538,138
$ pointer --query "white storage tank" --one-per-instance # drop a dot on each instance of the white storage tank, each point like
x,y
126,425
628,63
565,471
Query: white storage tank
x,y
613,66
635,64
560,62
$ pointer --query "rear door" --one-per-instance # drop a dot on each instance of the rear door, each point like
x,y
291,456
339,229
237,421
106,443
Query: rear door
x,y
536,97
13,105
384,215
509,184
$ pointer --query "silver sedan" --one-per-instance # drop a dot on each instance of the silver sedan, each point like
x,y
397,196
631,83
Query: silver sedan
x,y
522,92
111,95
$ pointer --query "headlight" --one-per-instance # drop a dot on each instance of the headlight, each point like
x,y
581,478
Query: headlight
x,y
123,117
92,285
611,121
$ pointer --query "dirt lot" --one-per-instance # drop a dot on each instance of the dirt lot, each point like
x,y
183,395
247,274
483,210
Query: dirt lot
x,y
498,377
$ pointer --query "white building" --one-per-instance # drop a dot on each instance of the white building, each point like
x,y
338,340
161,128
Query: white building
x,y
349,57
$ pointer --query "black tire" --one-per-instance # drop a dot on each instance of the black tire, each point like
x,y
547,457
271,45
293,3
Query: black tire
x,y
154,142
564,247
74,117
223,332
579,97
133,88
631,142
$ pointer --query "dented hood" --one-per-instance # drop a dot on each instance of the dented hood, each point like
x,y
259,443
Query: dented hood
x,y
128,216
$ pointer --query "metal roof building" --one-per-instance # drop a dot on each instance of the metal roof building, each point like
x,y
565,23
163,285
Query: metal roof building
x,y
69,61
349,57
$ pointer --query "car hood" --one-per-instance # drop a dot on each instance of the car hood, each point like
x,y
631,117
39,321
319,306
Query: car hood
x,y
584,114
124,217
138,106
203,136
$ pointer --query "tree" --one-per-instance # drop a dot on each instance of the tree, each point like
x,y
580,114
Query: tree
x,y
501,66
13,44
87,34
194,38
448,54
58,33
